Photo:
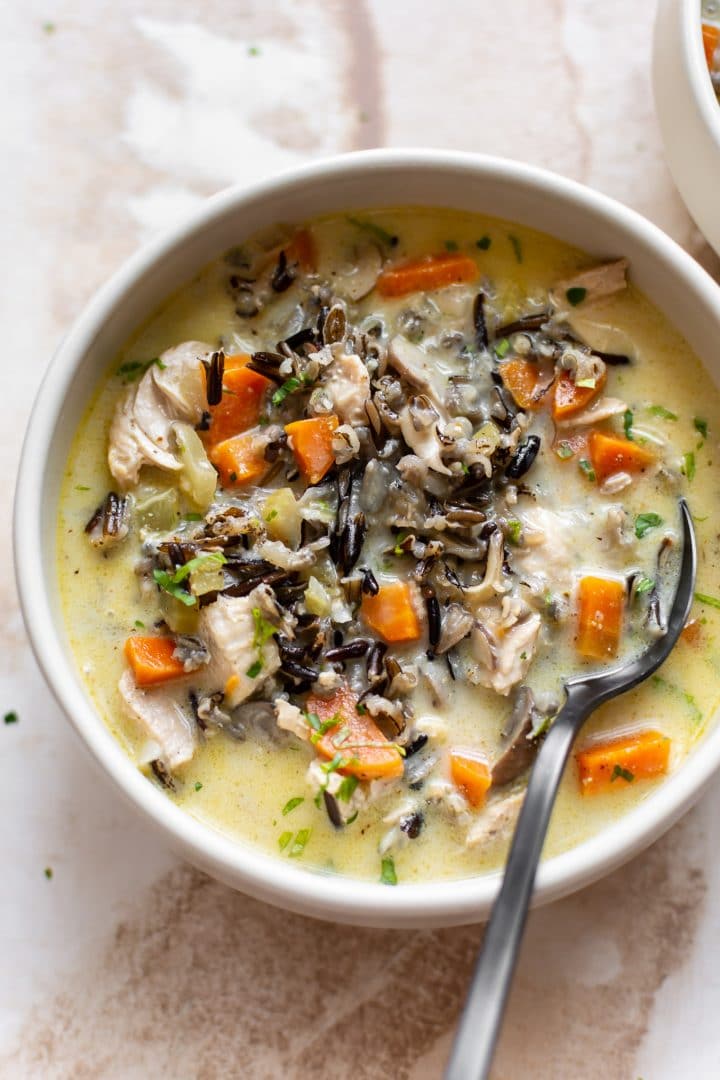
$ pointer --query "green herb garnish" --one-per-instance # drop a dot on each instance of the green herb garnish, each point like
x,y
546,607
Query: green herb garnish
x,y
139,624
48,872
253,50
321,727
645,522
375,230
514,531
49,27
12,717
254,670
288,387
688,466
628,418
702,598
623,774
172,583
81,487
483,243
347,788
701,425
271,516
502,347
298,846
576,295
284,840
564,450
291,804
388,876
198,785
662,412
193,517
516,246
643,585
587,468
133,369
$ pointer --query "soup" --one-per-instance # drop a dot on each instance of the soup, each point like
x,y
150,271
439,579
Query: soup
x,y
348,510
711,40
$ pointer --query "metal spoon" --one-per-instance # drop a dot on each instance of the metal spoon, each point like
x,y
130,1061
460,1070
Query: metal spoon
x,y
479,1027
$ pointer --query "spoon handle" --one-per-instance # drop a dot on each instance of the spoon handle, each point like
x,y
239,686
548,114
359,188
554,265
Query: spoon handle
x,y
479,1026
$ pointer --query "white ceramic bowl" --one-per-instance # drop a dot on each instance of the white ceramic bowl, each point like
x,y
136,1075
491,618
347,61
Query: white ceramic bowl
x,y
375,178
688,111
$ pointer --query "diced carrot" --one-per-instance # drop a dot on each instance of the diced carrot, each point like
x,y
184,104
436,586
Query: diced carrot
x,y
311,442
301,249
610,454
241,402
429,272
569,398
622,761
355,738
601,603
239,461
522,379
391,612
711,41
471,773
152,660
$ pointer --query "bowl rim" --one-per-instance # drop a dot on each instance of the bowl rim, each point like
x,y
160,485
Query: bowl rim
x,y
261,874
696,68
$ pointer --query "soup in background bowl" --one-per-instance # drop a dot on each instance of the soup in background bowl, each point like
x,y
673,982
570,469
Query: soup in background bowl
x,y
343,512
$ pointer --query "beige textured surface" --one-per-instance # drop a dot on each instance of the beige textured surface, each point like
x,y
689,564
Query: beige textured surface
x,y
126,963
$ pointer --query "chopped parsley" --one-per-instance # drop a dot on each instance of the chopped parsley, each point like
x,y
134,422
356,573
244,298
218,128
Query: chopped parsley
x,y
321,727
516,246
662,412
81,487
643,585
48,873
483,243
688,465
173,583
347,788
514,531
575,295
502,347
645,522
701,426
564,450
702,598
587,468
388,875
628,419
198,785
193,517
398,549
288,387
133,369
299,843
374,230
139,624
12,717
271,516
254,670
253,50
284,840
338,762
291,804
622,774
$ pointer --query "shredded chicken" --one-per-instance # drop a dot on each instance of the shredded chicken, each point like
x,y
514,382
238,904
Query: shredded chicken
x,y
230,629
348,386
497,821
160,716
141,431
598,282
503,645
290,718
602,409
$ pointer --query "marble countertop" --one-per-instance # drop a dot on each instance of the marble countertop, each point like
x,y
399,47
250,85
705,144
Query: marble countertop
x,y
118,959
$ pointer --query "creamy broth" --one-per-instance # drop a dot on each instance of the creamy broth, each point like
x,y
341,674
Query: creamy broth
x,y
241,787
